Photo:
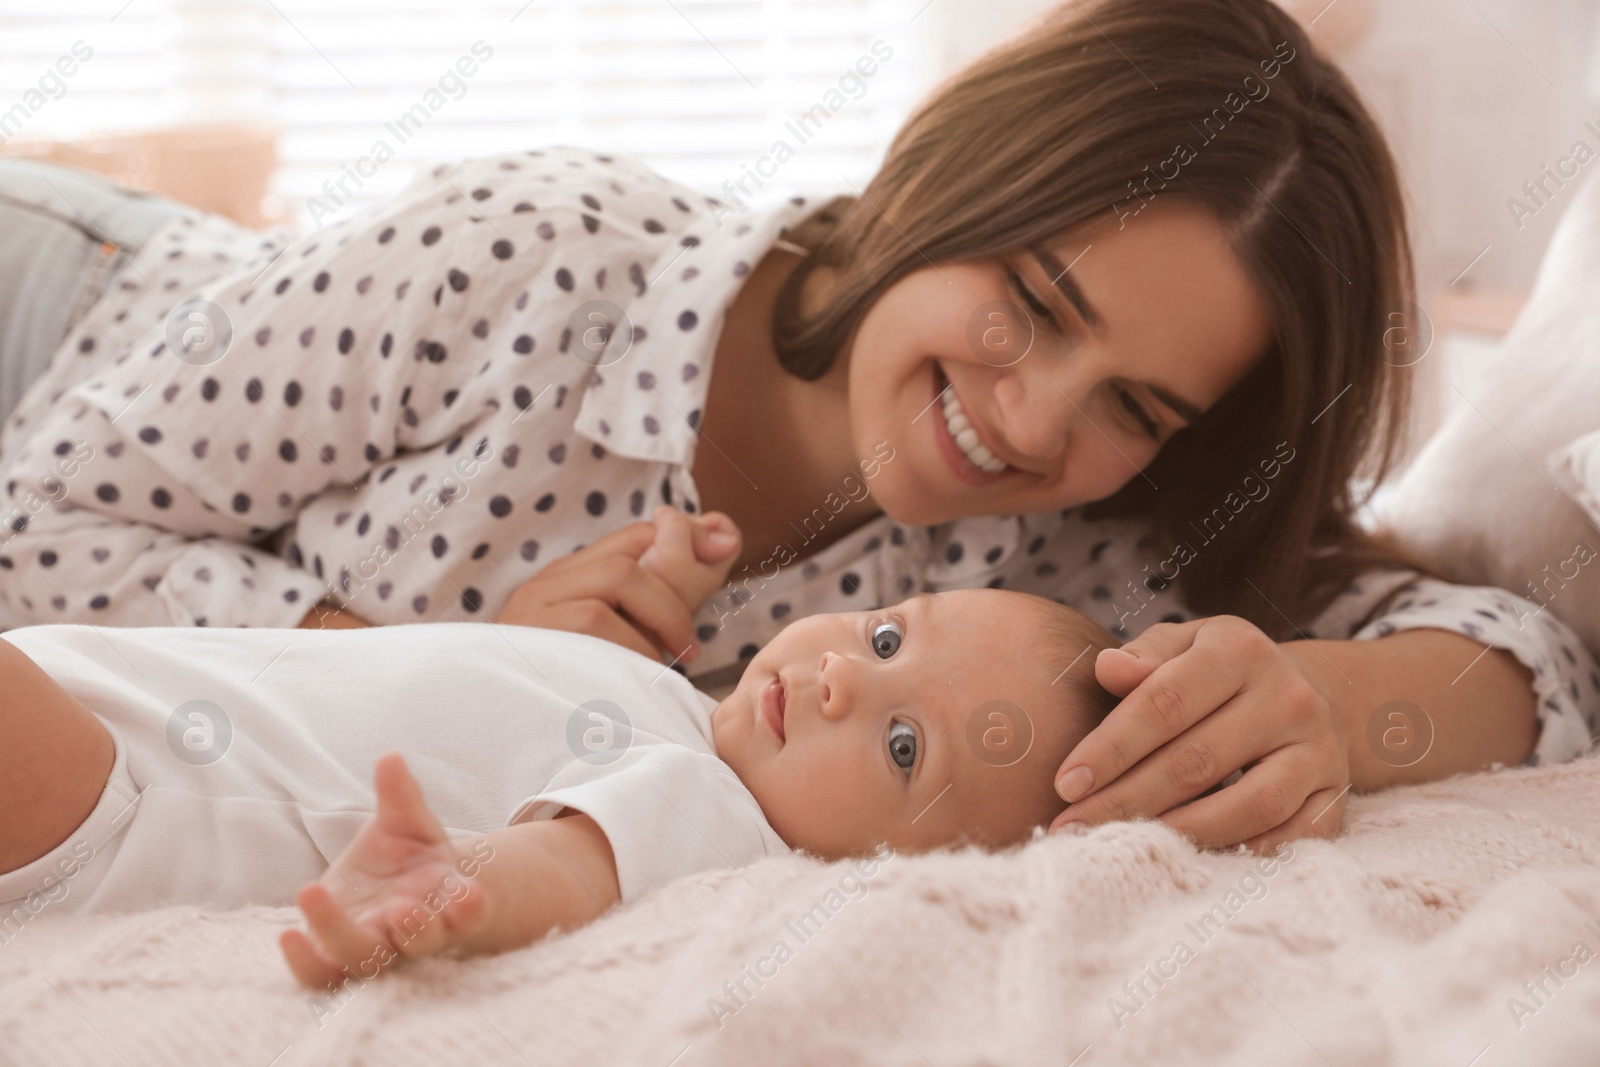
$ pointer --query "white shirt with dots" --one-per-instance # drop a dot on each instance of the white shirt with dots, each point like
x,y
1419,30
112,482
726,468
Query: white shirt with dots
x,y
410,417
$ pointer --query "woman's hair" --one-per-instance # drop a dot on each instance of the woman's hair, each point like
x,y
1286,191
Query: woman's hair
x,y
1075,120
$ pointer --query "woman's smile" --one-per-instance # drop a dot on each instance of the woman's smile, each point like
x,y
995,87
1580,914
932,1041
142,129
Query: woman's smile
x,y
960,439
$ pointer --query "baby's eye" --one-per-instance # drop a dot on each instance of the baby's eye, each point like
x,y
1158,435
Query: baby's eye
x,y
886,639
903,746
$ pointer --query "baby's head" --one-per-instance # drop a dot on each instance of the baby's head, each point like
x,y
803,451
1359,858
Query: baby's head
x,y
941,720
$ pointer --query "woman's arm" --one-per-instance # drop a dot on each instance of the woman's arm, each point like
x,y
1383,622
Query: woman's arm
x,y
1309,720
142,495
404,889
1422,704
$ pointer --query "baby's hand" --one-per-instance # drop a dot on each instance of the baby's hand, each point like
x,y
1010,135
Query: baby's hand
x,y
396,891
692,553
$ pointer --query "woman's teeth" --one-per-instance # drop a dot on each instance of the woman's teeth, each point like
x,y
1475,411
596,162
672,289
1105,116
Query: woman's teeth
x,y
966,437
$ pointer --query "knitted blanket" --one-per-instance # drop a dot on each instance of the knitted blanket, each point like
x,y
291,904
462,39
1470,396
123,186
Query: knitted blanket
x,y
1455,923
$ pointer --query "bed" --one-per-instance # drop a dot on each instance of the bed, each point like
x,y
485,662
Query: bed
x,y
1456,923
1414,939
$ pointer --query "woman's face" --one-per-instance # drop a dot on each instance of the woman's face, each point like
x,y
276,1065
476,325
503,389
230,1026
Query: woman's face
x,y
1001,400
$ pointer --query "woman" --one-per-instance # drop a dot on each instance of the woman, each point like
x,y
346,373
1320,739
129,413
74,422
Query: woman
x,y
1142,257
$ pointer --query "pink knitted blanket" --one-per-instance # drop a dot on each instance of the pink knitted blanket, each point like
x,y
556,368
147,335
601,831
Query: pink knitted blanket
x,y
1456,923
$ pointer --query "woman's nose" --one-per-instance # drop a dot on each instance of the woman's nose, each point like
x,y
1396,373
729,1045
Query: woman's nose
x,y
1037,411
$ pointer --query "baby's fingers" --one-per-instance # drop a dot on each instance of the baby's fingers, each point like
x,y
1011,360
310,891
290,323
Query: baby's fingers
x,y
310,967
337,937
716,538
419,932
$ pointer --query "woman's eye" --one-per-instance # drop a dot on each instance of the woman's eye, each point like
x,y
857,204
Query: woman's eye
x,y
1025,294
903,746
1136,409
886,639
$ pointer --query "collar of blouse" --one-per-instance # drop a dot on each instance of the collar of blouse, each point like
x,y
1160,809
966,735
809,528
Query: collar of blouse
x,y
649,386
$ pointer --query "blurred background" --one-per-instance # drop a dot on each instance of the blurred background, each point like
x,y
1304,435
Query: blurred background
x,y
299,112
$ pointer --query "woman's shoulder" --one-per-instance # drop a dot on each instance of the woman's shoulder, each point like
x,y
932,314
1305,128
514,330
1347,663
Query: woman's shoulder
x,y
588,181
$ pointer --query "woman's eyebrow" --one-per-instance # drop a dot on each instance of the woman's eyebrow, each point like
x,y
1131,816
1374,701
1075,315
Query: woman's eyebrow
x,y
1069,288
1065,285
1190,412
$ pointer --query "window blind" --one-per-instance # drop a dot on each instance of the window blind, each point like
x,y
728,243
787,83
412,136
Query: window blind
x,y
76,66
724,95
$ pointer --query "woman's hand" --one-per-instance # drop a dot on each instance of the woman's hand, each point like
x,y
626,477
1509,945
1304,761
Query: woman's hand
x,y
1203,699
636,587
400,889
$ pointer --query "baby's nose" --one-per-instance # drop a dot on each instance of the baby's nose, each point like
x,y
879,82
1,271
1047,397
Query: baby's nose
x,y
829,694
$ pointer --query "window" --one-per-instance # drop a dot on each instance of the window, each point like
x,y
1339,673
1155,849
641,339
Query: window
x,y
803,94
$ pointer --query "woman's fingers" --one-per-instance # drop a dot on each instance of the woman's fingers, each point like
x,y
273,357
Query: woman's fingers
x,y
630,541
596,618
674,533
1321,815
1175,696
1118,670
657,608
1264,802
648,601
1179,770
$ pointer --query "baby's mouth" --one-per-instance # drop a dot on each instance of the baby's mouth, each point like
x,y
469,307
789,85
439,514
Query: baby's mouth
x,y
773,704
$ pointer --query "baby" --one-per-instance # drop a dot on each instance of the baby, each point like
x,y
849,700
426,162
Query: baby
x,y
562,773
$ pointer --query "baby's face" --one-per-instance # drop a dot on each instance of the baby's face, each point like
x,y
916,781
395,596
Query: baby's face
x,y
940,719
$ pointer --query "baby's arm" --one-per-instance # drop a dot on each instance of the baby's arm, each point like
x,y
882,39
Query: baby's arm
x,y
55,756
404,889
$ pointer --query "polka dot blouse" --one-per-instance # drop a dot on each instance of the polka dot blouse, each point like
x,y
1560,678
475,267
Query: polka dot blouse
x,y
418,408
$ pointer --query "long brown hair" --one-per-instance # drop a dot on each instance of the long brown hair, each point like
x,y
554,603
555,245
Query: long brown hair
x,y
1053,129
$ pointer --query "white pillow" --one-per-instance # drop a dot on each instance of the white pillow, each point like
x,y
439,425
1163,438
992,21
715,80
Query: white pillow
x,y
1485,501
1576,468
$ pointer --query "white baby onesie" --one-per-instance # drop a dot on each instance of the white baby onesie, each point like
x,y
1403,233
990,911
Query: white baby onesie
x,y
244,756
